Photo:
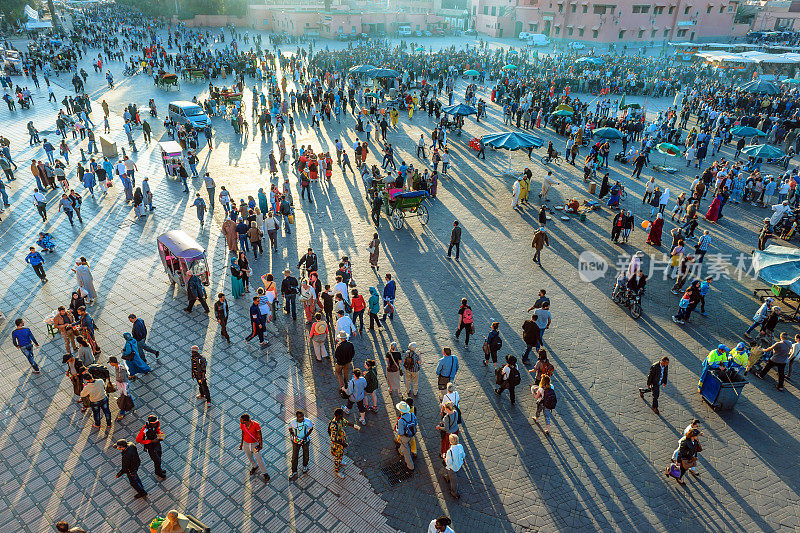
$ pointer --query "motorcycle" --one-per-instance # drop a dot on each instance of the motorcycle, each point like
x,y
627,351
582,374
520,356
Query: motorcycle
x,y
633,301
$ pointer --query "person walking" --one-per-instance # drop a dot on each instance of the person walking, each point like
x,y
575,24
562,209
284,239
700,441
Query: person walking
x,y
139,332
199,374
343,357
441,524
701,248
195,292
130,466
300,433
448,426
252,442
95,390
761,316
540,240
150,436
221,312
509,378
23,339
465,322
63,322
36,261
289,289
411,364
389,291
338,436
404,431
655,380
546,400
446,370
200,204
83,273
123,385
355,391
453,460
492,344
257,322
455,240
780,356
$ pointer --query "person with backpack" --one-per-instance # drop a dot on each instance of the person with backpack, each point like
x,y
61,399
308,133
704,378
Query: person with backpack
x,y
150,436
492,344
446,369
543,367
411,364
508,378
543,317
545,401
449,425
405,429
465,321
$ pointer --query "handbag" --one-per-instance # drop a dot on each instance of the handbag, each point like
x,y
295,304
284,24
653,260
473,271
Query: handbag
x,y
689,463
674,471
486,349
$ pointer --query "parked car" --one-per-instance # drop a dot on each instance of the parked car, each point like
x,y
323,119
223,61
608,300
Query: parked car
x,y
426,33
185,112
342,37
537,39
471,32
404,31
438,32
575,45
524,35
418,33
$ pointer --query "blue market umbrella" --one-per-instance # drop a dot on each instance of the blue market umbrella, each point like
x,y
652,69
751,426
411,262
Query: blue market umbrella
x,y
460,109
513,52
596,61
764,151
384,73
562,113
512,140
778,265
362,69
608,133
759,87
747,131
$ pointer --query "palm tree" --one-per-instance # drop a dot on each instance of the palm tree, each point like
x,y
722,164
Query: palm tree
x,y
52,9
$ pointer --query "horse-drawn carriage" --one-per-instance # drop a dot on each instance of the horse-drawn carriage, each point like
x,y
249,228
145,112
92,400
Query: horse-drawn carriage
x,y
403,204
167,80
194,74
228,100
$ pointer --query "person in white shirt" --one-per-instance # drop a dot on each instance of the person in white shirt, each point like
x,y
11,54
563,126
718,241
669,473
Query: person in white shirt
x,y
341,288
440,525
793,355
453,460
344,324
450,395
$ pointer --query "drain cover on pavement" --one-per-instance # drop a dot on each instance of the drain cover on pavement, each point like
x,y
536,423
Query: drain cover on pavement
x,y
396,472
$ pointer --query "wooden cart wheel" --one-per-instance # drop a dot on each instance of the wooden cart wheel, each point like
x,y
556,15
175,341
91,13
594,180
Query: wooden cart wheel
x,y
423,214
397,218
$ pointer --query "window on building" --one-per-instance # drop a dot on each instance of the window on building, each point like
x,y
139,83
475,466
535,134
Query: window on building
x,y
560,8
569,32
732,8
653,34
580,32
666,34
474,12
558,30
681,33
641,34
585,8
599,9
658,10
494,11
721,10
671,10
501,11
594,34
574,8
485,10
621,34
708,9
641,9
686,10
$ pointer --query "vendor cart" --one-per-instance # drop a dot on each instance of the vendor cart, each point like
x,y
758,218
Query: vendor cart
x,y
181,256
720,390
171,157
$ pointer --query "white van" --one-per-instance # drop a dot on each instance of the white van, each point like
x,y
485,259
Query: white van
x,y
404,31
538,39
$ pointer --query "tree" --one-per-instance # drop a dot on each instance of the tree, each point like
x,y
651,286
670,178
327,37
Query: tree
x,y
53,15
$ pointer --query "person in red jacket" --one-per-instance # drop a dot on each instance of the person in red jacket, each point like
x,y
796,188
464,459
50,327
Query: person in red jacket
x,y
150,436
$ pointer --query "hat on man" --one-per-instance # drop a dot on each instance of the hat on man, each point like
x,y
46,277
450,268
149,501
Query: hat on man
x,y
287,271
342,335
403,407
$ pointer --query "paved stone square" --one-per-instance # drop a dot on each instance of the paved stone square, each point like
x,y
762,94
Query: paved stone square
x,y
601,469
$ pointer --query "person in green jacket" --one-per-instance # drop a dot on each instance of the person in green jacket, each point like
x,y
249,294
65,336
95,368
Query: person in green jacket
x,y
714,359
374,305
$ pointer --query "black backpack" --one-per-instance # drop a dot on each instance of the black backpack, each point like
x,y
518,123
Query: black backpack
x,y
514,377
549,399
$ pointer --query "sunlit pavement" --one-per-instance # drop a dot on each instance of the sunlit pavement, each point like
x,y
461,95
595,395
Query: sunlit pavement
x,y
602,467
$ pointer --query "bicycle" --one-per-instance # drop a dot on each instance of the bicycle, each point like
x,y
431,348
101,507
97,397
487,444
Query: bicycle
x,y
555,158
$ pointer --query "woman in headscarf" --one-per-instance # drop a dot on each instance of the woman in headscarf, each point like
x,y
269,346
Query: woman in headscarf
x,y
229,230
237,286
130,353
374,250
654,235
308,298
712,215
273,165
338,437
664,200
604,187
263,203
85,280
138,198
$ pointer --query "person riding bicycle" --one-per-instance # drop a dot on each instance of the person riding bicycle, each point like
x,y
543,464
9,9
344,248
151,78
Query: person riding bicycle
x,y
551,152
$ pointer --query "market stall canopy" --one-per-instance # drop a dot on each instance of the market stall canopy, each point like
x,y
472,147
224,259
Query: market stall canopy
x,y
460,109
180,244
512,140
764,151
762,57
778,265
383,73
747,131
596,61
362,69
171,147
668,149
471,73
564,106
562,113
717,56
759,87
510,67
608,133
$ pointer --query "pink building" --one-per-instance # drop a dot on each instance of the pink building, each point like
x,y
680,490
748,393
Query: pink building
x,y
627,21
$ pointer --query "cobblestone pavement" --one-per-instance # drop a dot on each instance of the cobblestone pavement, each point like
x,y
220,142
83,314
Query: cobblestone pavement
x,y
602,468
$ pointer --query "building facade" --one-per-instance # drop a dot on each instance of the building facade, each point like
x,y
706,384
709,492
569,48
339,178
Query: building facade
x,y
632,22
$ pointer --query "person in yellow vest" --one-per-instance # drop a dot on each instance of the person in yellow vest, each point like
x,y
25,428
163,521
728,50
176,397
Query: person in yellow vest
x,y
395,115
715,359
739,357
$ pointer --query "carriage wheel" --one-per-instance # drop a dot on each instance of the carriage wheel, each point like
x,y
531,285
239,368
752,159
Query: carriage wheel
x,y
423,214
397,218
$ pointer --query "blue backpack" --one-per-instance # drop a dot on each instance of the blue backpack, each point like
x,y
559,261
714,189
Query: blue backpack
x,y
411,425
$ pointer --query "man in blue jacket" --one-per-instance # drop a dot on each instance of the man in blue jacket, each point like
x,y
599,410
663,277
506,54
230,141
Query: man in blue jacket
x,y
36,260
195,291
139,333
24,340
446,370
388,298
